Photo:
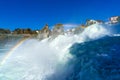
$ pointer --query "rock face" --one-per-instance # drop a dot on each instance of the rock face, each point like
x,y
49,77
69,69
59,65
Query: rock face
x,y
58,30
90,22
44,33
115,19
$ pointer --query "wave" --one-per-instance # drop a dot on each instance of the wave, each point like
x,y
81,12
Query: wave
x,y
54,59
93,60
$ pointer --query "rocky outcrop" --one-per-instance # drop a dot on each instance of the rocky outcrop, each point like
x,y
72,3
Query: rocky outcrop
x,y
90,22
44,33
58,30
115,19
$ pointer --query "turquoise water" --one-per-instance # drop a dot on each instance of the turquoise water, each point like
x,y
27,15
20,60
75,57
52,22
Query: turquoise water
x,y
93,60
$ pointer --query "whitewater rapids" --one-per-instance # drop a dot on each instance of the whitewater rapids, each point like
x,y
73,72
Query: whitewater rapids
x,y
39,60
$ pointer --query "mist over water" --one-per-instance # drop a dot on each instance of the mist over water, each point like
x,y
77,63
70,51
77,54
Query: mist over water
x,y
48,59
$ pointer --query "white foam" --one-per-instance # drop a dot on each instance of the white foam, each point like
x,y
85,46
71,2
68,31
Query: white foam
x,y
95,31
34,60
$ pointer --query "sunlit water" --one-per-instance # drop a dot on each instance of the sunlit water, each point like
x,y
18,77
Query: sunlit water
x,y
91,55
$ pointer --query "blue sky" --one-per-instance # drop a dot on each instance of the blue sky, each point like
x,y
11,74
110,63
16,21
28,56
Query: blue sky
x,y
36,13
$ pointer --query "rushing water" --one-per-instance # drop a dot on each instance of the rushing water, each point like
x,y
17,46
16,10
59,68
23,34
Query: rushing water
x,y
91,55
